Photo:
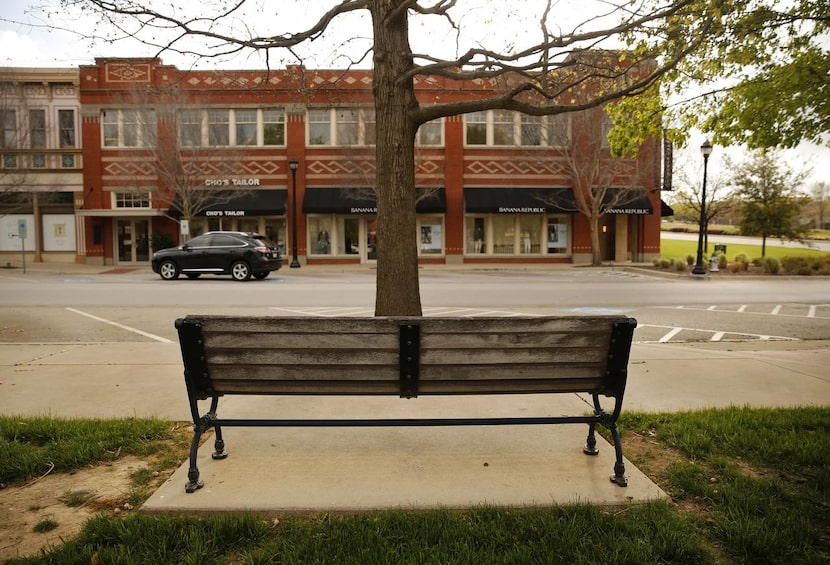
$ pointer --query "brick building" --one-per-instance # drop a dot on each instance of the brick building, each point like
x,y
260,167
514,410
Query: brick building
x,y
40,163
213,147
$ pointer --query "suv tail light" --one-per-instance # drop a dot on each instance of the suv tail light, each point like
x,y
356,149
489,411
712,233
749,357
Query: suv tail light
x,y
262,249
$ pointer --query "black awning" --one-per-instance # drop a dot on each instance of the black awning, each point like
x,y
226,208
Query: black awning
x,y
637,205
230,204
510,200
665,209
363,201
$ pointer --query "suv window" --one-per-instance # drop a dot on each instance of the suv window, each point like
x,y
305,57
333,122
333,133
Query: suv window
x,y
221,240
201,241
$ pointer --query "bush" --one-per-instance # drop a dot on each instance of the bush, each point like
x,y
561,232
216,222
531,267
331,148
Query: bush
x,y
806,266
722,262
772,266
690,260
161,241
679,266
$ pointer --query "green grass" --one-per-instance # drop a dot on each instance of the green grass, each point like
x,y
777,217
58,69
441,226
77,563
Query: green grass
x,y
751,485
31,447
679,249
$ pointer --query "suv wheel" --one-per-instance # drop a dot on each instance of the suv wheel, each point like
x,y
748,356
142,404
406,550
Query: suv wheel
x,y
168,270
241,271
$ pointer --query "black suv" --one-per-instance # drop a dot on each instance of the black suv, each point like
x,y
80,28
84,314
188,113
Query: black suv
x,y
238,254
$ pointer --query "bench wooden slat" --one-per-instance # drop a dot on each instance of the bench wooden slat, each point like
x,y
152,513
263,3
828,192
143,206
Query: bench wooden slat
x,y
467,357
372,387
242,371
381,325
429,340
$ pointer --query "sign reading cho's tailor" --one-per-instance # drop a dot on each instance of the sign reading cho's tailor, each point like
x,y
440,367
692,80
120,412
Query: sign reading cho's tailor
x,y
231,182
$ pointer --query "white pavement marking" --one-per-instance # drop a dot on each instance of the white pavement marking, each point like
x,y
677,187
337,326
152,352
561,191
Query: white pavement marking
x,y
743,308
812,312
776,310
122,326
674,330
670,335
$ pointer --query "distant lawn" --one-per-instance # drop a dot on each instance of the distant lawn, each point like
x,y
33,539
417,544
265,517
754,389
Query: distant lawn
x,y
679,249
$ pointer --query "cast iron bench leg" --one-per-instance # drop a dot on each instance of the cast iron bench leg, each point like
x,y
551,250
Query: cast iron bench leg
x,y
193,482
591,443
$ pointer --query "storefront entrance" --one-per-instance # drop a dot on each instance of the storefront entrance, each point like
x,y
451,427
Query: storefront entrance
x,y
133,241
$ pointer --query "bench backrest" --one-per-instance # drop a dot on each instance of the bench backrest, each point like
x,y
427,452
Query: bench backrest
x,y
404,356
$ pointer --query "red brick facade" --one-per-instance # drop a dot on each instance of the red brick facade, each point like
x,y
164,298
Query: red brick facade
x,y
244,126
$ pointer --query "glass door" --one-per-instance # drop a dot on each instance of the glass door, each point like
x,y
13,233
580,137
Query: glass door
x,y
133,241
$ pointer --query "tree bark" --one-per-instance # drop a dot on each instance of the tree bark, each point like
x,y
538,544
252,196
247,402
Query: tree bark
x,y
397,287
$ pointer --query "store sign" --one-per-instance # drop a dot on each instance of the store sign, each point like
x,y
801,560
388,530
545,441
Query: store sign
x,y
231,182
364,210
224,213
522,210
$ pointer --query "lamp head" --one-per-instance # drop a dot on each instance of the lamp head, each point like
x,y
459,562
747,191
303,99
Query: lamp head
x,y
293,164
706,148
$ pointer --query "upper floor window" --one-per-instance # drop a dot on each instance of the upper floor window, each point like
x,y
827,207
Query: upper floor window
x,y
246,127
505,128
218,128
9,119
273,127
37,129
131,199
128,128
430,133
243,127
66,128
341,126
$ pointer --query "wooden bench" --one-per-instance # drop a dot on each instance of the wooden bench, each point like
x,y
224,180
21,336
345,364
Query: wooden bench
x,y
406,357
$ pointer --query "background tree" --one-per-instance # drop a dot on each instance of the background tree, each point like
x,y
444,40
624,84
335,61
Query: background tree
x,y
820,191
542,71
770,203
686,200
176,164
601,179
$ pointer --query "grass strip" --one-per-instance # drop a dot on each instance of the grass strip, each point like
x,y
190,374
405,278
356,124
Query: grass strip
x,y
748,486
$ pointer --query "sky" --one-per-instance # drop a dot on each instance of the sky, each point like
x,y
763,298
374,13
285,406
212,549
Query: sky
x,y
500,23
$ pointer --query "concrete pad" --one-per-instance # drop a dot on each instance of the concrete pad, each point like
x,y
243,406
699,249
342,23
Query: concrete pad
x,y
347,469
94,381
669,378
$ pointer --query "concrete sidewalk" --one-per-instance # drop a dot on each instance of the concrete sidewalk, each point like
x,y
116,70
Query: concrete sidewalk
x,y
310,469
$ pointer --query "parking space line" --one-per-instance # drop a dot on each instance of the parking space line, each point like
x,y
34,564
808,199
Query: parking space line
x,y
812,311
674,330
122,326
671,334
776,310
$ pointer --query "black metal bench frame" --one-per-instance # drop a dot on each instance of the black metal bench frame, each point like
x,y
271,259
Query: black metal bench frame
x,y
197,373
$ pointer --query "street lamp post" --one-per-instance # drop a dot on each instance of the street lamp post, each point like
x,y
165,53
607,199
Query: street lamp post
x,y
699,269
294,164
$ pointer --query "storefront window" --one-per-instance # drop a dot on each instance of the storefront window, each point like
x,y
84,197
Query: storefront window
x,y
249,225
349,232
320,232
504,234
275,231
476,235
520,234
529,229
431,235
557,235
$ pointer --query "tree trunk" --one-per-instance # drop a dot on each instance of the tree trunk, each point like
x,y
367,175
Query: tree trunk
x,y
397,292
596,249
